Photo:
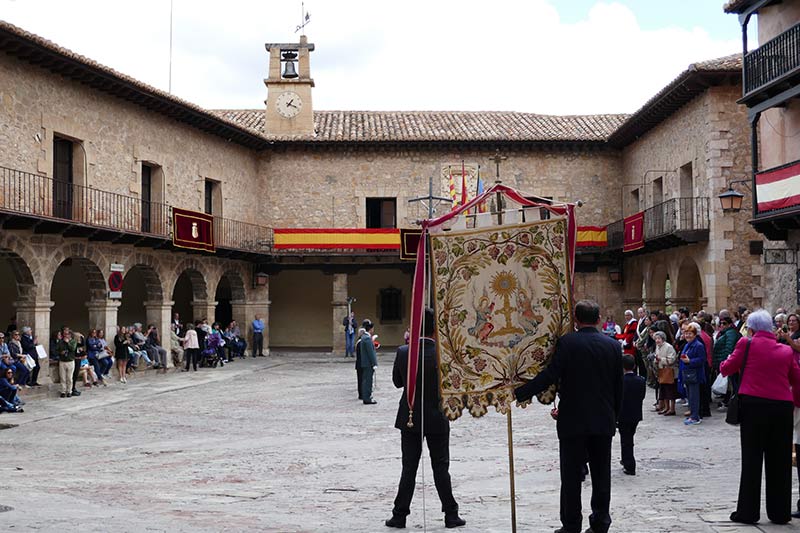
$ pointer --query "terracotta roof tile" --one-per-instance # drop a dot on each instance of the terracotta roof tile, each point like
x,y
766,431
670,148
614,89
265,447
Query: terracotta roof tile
x,y
432,126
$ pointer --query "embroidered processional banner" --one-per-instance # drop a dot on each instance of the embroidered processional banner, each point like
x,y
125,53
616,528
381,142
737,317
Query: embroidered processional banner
x,y
502,300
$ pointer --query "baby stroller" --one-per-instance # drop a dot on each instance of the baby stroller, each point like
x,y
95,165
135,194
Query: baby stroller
x,y
209,356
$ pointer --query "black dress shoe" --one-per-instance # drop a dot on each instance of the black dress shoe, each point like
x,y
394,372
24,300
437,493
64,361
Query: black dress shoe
x,y
396,521
629,472
736,518
454,521
369,402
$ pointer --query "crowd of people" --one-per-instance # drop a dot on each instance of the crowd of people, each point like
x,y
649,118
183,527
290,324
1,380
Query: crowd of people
x,y
703,360
90,359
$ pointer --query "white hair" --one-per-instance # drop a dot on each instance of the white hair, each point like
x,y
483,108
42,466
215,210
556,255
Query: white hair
x,y
628,312
695,326
759,320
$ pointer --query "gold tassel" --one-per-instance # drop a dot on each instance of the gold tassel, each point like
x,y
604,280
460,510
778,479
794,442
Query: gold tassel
x,y
410,418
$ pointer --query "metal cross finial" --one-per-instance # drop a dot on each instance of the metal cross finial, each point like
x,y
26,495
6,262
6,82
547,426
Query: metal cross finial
x,y
497,160
305,18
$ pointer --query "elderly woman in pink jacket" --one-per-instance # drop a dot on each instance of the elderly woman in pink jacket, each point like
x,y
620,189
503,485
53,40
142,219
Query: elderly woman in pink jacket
x,y
769,390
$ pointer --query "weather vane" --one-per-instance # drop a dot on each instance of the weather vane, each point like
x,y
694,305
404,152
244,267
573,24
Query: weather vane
x,y
305,18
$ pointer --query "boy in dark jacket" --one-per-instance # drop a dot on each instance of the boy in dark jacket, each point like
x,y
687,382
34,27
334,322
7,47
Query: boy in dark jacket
x,y
633,392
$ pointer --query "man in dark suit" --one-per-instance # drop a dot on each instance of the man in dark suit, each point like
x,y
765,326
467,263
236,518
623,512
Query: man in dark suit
x,y
633,392
431,423
368,360
588,367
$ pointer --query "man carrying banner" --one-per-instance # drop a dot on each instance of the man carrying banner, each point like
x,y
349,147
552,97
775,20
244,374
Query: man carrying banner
x,y
431,423
587,365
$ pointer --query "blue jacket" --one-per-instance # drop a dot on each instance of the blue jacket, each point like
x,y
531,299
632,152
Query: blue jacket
x,y
94,346
696,351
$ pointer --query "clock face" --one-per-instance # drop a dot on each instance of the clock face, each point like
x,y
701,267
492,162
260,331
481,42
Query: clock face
x,y
288,104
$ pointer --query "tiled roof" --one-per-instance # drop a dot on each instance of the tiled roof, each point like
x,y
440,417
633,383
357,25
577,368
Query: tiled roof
x,y
737,6
437,126
690,83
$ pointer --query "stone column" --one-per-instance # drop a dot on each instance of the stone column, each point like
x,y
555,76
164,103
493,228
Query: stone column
x,y
160,314
103,315
203,309
339,309
37,316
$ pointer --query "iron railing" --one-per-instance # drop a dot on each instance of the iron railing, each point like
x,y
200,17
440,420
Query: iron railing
x,y
772,60
41,197
667,218
244,236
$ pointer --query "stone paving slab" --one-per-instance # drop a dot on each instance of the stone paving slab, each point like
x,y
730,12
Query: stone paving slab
x,y
281,444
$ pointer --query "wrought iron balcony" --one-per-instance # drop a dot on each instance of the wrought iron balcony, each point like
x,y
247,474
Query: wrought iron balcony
x,y
32,201
773,69
675,222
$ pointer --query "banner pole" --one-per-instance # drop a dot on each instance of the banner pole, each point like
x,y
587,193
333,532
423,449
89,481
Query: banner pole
x,y
511,472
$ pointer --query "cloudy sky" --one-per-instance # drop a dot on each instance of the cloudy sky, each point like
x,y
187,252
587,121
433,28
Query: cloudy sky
x,y
540,56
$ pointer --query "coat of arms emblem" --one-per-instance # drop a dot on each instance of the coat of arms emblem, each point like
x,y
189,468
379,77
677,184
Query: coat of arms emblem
x,y
195,230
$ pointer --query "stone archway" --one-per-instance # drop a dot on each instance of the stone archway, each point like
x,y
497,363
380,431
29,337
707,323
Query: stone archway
x,y
656,286
76,282
142,285
687,290
230,290
17,286
190,293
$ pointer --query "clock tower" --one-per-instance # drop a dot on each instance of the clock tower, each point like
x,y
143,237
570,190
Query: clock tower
x,y
289,110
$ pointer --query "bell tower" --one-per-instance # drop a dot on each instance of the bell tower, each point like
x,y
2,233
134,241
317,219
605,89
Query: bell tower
x,y
289,110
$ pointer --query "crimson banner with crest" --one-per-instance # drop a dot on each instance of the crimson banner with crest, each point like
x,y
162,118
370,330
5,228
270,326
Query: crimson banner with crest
x,y
192,230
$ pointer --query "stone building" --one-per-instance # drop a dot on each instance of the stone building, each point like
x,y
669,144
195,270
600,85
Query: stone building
x,y
771,92
92,163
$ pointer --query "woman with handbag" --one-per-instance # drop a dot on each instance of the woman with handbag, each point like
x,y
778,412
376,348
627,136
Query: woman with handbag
x,y
666,363
692,370
768,391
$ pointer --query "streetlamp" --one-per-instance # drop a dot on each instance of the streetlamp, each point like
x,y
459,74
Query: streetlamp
x,y
731,200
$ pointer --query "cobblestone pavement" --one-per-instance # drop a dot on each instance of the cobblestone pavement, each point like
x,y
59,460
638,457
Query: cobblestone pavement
x,y
283,445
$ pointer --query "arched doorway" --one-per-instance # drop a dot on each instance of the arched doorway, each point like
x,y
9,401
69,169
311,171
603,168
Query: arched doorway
x,y
141,285
189,287
229,289
16,284
688,289
77,280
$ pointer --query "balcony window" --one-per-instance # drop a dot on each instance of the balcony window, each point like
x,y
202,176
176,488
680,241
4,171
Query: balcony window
x,y
381,212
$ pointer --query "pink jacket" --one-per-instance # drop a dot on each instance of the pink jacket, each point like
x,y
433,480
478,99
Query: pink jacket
x,y
771,371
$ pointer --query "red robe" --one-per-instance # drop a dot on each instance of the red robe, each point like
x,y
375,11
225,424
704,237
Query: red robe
x,y
628,334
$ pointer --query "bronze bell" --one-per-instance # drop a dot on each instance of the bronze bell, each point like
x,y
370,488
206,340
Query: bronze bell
x,y
288,68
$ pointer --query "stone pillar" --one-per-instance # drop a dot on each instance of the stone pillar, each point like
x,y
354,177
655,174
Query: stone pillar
x,y
203,309
37,316
160,314
103,315
339,309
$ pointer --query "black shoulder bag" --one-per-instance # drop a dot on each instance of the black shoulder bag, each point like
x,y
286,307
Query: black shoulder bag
x,y
732,416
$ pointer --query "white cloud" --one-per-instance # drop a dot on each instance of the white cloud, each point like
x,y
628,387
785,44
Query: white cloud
x,y
414,54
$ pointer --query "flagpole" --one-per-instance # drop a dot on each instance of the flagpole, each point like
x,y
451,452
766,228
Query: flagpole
x,y
511,472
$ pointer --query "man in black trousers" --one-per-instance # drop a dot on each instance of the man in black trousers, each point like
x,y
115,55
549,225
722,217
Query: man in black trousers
x,y
588,367
431,423
633,391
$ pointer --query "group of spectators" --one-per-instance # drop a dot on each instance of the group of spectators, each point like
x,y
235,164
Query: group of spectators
x,y
90,359
754,355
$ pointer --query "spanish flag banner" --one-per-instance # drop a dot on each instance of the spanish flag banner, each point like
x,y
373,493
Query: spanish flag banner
x,y
592,236
336,238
